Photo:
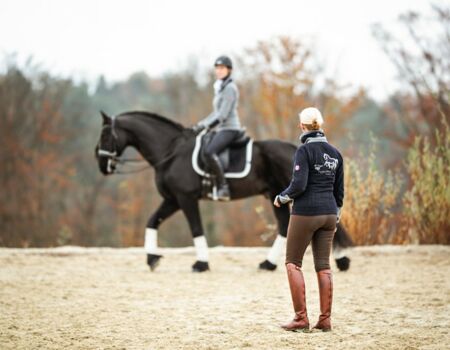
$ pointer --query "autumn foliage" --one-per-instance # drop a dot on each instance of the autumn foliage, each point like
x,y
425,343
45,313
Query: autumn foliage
x,y
396,152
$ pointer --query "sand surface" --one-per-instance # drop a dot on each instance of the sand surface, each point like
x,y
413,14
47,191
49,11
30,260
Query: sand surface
x,y
393,297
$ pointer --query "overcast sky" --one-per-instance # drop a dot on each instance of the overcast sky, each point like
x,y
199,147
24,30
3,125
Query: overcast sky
x,y
86,38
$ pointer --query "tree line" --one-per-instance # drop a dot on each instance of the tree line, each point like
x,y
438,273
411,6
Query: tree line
x,y
397,151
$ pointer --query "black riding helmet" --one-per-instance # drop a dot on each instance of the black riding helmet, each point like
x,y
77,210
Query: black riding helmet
x,y
224,61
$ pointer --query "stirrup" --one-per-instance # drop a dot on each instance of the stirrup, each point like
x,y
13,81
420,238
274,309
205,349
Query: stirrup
x,y
222,196
214,195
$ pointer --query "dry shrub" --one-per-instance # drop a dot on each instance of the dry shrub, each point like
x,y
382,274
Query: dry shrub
x,y
370,199
427,202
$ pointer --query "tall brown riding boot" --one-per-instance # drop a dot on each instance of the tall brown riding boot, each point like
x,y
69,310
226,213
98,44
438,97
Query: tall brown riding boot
x,y
297,286
326,299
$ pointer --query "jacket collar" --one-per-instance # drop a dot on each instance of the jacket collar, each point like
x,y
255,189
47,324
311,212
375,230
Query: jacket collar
x,y
220,84
313,136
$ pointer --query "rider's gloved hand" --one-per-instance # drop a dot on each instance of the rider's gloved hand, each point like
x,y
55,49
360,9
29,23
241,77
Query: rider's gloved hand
x,y
197,128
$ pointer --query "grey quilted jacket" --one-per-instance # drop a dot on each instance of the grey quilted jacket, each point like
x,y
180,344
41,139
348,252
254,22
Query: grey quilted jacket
x,y
225,104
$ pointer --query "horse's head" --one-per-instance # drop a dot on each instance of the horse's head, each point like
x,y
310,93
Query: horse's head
x,y
110,146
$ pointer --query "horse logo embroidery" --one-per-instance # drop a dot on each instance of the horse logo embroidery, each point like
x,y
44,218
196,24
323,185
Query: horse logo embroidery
x,y
330,163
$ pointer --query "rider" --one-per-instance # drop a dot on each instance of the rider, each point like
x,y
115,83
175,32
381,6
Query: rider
x,y
224,120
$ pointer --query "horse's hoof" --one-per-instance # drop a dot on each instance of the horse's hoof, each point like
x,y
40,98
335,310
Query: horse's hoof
x,y
153,261
343,263
200,266
267,265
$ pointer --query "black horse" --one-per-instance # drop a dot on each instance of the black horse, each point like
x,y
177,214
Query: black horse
x,y
168,146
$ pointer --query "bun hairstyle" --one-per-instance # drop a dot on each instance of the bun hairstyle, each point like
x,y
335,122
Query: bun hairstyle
x,y
315,125
311,118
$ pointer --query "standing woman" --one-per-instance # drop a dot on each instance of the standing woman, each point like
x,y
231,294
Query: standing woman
x,y
224,120
317,190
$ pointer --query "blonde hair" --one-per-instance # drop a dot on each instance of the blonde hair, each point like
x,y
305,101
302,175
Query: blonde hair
x,y
313,126
311,118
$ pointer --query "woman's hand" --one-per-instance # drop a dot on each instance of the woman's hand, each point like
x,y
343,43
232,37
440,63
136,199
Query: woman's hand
x,y
281,199
276,202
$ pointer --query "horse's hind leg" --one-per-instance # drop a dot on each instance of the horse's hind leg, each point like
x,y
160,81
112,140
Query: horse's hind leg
x,y
166,209
279,244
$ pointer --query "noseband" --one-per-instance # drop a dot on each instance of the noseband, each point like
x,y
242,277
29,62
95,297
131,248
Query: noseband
x,y
111,155
113,158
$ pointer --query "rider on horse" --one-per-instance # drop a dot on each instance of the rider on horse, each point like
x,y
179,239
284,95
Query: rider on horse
x,y
224,120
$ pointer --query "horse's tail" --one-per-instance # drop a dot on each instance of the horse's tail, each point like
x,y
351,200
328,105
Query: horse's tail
x,y
278,158
341,241
341,237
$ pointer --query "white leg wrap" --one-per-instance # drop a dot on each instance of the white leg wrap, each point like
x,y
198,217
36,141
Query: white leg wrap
x,y
201,248
278,247
151,241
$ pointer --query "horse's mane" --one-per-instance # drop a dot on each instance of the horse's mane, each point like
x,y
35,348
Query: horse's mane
x,y
160,118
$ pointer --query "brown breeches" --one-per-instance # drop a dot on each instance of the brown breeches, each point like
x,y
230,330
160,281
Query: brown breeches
x,y
317,229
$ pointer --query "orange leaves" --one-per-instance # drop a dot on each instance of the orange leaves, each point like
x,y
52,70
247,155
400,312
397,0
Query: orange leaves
x,y
280,79
34,176
48,137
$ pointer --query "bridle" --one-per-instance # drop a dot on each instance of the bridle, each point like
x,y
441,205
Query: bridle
x,y
113,159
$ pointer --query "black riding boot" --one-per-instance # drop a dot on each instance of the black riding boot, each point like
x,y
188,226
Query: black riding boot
x,y
223,191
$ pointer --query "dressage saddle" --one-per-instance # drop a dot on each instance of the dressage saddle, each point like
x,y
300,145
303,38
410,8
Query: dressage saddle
x,y
231,157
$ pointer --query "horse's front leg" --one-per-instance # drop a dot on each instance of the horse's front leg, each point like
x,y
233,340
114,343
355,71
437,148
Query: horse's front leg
x,y
278,248
166,209
189,206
